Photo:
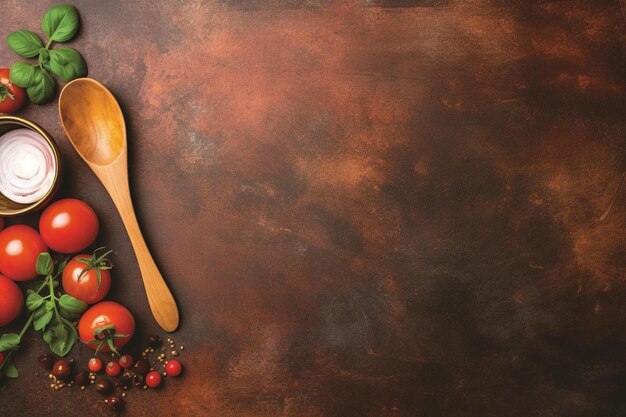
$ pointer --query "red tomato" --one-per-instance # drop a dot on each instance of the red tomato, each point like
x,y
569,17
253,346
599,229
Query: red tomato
x,y
68,225
102,321
19,248
80,278
12,97
11,301
173,368
153,379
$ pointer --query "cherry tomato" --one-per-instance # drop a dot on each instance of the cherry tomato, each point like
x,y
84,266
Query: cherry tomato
x,y
12,97
19,248
95,364
11,301
1,358
173,368
126,361
153,379
113,369
104,320
69,225
87,277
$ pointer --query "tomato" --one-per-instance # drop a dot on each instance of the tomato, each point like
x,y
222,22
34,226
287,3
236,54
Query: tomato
x,y
95,364
68,225
113,369
154,379
19,248
12,97
87,277
102,325
173,368
11,301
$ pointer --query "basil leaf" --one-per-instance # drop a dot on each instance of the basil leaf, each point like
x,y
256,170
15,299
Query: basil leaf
x,y
48,335
67,63
11,371
62,339
24,43
71,304
22,74
33,301
9,341
44,265
42,91
60,23
44,56
42,321
70,316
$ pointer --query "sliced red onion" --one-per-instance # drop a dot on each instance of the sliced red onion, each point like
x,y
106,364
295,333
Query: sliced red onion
x,y
27,166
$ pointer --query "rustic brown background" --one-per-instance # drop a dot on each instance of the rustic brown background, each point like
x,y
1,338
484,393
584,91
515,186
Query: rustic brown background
x,y
365,208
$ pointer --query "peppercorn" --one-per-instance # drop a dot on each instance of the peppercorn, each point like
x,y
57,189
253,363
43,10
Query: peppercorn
x,y
142,366
104,386
154,342
46,361
138,379
115,402
61,370
124,382
81,379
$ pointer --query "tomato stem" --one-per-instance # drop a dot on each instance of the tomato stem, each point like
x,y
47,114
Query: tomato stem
x,y
8,355
4,93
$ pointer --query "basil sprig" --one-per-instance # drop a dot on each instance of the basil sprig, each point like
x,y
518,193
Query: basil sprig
x,y
50,312
60,24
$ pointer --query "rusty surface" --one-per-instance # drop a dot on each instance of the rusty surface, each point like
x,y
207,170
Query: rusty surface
x,y
365,208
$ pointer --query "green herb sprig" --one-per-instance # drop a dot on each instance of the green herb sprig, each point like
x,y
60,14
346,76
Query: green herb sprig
x,y
50,312
60,24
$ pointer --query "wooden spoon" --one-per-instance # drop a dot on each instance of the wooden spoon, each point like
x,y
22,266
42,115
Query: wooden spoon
x,y
94,124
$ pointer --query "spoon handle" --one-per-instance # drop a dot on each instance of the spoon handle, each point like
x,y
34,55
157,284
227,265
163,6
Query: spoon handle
x,y
160,298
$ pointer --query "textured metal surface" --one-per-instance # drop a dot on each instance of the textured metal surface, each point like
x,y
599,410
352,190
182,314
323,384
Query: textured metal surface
x,y
365,208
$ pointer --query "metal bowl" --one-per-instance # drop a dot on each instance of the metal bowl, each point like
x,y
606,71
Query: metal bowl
x,y
9,208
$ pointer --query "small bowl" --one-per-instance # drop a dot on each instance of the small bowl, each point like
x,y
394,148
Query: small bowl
x,y
9,208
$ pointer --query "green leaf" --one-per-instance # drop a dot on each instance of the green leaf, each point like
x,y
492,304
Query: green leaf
x,y
33,301
45,264
44,56
22,74
70,316
67,63
42,321
61,23
71,304
48,335
24,43
9,341
10,371
63,338
43,89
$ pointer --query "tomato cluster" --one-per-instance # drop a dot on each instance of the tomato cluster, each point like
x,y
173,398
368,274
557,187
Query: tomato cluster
x,y
67,226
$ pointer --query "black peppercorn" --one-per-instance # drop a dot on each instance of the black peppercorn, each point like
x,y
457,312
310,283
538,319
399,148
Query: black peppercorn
x,y
124,382
46,361
104,386
61,370
138,379
142,366
82,379
116,403
154,342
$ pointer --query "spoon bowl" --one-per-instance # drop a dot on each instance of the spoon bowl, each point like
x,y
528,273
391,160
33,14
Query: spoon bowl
x,y
94,124
98,140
